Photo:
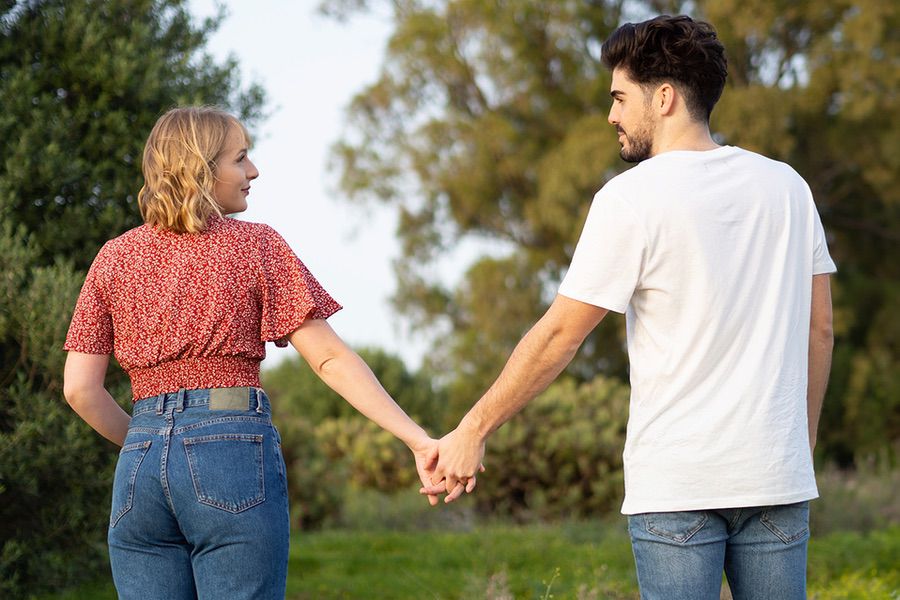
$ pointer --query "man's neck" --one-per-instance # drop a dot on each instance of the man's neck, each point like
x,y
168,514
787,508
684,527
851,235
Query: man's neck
x,y
692,137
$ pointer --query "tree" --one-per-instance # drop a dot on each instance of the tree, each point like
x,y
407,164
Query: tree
x,y
81,84
488,121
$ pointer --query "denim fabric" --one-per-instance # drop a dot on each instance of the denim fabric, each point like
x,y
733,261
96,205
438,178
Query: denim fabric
x,y
681,555
199,506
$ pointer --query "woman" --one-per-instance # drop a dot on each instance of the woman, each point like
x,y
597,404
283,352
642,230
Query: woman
x,y
187,302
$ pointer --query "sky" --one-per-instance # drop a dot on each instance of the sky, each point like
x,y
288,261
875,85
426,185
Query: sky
x,y
311,67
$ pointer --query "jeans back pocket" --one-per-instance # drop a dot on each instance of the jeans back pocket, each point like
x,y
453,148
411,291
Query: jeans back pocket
x,y
227,470
130,458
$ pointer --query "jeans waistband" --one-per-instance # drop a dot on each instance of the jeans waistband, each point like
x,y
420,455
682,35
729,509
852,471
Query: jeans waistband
x,y
230,398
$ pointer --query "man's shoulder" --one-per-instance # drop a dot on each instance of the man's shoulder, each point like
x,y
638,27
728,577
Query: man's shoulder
x,y
762,162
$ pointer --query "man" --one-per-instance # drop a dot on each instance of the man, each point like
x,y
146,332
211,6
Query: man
x,y
718,259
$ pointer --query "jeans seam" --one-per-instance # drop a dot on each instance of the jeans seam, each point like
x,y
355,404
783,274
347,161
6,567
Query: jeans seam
x,y
771,526
676,538
132,477
218,420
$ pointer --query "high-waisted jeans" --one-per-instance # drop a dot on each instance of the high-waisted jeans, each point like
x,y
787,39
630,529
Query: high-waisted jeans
x,y
199,506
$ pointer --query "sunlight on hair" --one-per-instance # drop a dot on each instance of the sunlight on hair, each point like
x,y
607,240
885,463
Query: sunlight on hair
x,y
179,168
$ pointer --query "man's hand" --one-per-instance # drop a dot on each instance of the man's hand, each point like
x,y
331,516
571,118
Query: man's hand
x,y
459,459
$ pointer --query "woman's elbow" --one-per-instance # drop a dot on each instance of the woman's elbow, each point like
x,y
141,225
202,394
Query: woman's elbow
x,y
77,393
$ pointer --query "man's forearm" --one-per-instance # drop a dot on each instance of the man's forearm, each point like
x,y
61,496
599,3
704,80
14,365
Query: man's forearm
x,y
820,348
821,343
536,361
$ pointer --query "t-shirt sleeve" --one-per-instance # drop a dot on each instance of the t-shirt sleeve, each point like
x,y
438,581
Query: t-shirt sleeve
x,y
91,329
822,262
290,294
608,261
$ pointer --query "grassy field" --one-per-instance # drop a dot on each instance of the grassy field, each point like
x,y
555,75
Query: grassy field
x,y
590,560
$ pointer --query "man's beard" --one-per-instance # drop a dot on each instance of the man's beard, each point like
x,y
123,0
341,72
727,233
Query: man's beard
x,y
640,143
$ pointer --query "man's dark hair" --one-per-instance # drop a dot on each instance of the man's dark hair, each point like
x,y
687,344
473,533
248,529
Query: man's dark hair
x,y
680,50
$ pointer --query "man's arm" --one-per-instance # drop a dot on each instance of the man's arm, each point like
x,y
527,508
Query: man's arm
x,y
537,360
821,342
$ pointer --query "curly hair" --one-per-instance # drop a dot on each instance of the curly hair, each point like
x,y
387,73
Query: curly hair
x,y
179,166
680,50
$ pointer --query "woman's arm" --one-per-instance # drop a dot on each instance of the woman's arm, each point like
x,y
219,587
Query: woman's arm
x,y
348,375
85,393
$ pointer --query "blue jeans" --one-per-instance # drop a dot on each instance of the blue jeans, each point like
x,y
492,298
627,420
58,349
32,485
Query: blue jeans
x,y
681,555
199,503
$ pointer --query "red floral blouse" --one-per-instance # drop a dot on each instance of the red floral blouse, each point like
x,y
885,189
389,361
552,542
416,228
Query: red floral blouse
x,y
194,310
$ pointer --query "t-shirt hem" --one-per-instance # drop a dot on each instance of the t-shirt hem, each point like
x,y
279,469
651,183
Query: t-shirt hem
x,y
635,507
593,300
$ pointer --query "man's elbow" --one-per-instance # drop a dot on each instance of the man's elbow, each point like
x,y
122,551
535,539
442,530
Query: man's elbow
x,y
822,334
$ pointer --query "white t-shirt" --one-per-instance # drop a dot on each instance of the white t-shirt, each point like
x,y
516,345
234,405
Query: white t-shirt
x,y
711,257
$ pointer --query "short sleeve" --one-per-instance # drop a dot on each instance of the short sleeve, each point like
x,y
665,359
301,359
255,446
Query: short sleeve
x,y
608,260
822,262
290,294
91,329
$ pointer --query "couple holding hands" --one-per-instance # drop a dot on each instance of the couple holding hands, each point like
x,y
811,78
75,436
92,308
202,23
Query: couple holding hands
x,y
715,254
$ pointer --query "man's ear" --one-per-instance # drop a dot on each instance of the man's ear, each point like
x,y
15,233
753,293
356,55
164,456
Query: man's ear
x,y
664,99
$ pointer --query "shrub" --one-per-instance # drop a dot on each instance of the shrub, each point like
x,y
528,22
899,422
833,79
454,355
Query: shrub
x,y
315,484
561,457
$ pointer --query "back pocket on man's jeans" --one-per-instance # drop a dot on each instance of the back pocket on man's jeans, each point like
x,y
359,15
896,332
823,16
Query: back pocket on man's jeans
x,y
130,458
227,470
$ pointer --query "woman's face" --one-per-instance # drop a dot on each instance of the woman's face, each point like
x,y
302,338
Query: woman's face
x,y
234,172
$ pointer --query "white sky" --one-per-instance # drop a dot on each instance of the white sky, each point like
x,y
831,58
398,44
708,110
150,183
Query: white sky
x,y
311,67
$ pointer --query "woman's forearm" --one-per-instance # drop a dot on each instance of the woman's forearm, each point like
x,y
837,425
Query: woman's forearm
x,y
348,375
98,409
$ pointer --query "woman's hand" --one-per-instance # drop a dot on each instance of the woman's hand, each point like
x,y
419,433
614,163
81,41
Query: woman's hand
x,y
425,452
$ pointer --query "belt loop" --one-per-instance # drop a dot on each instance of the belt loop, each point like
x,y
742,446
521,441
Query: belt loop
x,y
258,400
160,401
179,404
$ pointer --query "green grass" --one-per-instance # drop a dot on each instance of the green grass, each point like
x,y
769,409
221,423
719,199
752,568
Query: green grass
x,y
589,560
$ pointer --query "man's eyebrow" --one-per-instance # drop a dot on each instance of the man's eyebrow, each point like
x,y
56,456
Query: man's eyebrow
x,y
616,94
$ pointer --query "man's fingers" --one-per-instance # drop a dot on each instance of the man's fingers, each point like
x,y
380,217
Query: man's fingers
x,y
470,485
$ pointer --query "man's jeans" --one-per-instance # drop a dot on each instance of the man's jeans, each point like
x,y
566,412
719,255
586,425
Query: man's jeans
x,y
681,555
199,503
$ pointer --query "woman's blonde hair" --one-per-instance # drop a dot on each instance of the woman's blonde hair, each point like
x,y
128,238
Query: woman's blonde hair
x,y
179,166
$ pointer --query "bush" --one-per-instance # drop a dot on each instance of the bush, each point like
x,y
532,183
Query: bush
x,y
316,485
862,499
55,473
561,457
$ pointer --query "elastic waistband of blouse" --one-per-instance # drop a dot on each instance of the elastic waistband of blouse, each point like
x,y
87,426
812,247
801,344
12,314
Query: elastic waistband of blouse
x,y
194,374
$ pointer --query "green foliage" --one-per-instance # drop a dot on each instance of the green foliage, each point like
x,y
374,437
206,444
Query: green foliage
x,y
81,84
861,500
330,449
55,473
561,457
316,484
488,122
298,391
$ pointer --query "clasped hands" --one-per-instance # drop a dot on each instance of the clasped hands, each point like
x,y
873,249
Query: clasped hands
x,y
449,465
